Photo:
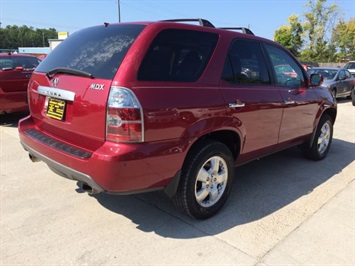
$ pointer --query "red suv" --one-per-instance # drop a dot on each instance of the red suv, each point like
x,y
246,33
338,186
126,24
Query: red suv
x,y
15,72
133,107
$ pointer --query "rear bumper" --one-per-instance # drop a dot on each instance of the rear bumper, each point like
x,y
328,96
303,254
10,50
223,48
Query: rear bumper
x,y
113,168
63,170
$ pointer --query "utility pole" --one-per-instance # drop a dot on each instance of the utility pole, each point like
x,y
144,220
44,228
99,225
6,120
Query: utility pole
x,y
119,11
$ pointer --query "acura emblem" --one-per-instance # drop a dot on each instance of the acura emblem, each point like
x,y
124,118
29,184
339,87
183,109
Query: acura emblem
x,y
55,82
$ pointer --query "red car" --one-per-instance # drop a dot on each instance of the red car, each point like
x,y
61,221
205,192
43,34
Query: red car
x,y
134,107
15,73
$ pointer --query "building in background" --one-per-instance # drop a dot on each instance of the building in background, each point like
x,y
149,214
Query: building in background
x,y
53,43
40,52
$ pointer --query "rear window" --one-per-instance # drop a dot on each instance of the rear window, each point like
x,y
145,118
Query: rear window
x,y
97,50
18,61
177,55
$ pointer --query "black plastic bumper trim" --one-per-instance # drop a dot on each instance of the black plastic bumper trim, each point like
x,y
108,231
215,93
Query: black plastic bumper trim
x,y
60,146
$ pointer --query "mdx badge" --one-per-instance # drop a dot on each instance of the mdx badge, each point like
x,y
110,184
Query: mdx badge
x,y
99,87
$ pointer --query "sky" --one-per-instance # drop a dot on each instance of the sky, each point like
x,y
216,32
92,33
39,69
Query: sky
x,y
263,17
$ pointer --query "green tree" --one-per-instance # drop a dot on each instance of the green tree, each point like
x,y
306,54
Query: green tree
x,y
290,35
12,37
344,38
319,23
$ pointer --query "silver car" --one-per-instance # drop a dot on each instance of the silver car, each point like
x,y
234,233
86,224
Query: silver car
x,y
338,81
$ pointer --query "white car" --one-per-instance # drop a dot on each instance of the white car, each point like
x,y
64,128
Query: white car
x,y
351,67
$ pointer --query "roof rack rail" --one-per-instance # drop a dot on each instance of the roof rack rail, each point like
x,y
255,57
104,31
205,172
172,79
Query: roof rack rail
x,y
202,22
243,29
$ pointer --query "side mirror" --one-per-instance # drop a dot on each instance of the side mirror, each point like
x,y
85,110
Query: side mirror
x,y
315,80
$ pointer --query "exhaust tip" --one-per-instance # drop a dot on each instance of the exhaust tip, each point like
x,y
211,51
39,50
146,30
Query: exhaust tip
x,y
33,158
89,189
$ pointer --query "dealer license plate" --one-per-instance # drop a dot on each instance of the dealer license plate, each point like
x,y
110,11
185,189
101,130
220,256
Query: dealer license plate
x,y
55,108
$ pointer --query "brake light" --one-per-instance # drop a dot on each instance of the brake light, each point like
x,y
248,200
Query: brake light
x,y
124,118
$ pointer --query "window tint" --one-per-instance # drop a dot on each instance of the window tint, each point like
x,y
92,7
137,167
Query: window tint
x,y
325,72
287,72
18,61
177,55
96,50
245,63
347,74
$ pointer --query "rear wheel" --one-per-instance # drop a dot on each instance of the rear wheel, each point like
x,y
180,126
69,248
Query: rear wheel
x,y
206,180
320,145
353,97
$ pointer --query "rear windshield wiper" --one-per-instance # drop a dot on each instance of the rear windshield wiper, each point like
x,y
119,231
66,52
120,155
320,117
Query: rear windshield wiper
x,y
50,74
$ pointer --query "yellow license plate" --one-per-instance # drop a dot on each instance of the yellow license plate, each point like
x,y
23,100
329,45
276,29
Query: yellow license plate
x,y
56,108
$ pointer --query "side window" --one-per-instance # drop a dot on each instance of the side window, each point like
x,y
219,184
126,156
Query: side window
x,y
342,74
245,63
287,72
177,55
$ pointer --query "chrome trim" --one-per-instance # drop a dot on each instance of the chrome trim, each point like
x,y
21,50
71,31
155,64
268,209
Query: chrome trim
x,y
236,105
56,93
288,102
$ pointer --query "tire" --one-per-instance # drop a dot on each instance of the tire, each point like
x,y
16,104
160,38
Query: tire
x,y
206,180
353,97
322,140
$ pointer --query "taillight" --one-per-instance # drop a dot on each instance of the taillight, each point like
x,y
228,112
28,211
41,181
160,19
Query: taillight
x,y
124,121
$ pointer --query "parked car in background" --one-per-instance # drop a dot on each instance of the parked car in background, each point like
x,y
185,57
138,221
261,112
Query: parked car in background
x,y
350,66
338,81
15,73
134,107
306,67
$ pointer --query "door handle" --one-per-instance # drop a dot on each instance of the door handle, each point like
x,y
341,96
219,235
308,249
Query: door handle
x,y
236,105
288,102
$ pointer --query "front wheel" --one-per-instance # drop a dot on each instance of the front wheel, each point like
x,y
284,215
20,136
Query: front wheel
x,y
353,97
322,139
206,180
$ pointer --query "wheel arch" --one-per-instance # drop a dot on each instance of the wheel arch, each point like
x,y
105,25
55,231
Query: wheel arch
x,y
332,113
228,137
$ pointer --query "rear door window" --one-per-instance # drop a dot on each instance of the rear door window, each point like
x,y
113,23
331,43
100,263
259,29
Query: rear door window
x,y
97,50
245,64
177,55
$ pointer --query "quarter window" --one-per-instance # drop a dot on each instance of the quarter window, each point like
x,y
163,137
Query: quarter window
x,y
177,55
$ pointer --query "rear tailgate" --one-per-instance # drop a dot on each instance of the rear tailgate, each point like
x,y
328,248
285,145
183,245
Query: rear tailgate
x,y
70,108
68,91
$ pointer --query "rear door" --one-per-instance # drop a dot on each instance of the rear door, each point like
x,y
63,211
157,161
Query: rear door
x,y
252,101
